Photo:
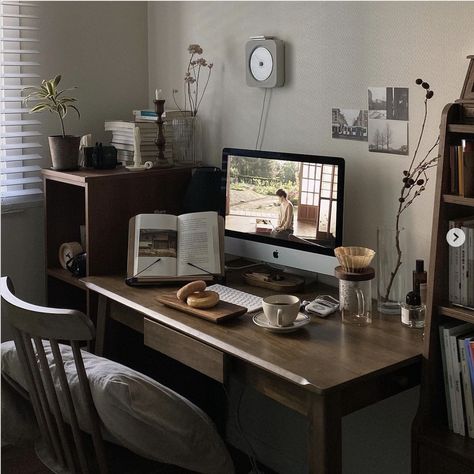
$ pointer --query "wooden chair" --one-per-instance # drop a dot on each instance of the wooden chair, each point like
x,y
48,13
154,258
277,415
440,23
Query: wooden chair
x,y
32,325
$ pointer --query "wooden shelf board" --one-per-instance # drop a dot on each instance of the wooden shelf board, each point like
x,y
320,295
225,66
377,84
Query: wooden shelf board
x,y
461,200
461,128
84,175
456,312
447,441
65,276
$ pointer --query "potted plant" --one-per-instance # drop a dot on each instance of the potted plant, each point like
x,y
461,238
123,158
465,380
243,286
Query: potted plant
x,y
64,148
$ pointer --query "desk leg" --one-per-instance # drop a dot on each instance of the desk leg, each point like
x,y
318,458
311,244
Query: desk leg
x,y
102,314
325,435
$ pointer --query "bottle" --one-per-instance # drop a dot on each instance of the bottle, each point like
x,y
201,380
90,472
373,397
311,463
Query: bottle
x,y
419,280
413,311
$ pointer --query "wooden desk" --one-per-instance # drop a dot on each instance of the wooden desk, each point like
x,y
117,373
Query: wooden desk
x,y
324,371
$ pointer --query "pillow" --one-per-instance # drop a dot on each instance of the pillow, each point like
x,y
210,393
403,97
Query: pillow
x,y
136,411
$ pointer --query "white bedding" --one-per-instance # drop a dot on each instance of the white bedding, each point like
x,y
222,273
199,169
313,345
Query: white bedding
x,y
138,412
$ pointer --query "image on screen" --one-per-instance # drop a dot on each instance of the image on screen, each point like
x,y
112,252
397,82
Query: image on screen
x,y
284,200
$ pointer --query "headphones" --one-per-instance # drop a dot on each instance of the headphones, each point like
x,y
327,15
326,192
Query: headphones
x,y
77,265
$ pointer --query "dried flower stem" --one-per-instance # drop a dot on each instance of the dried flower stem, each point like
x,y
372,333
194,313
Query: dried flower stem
x,y
415,180
192,77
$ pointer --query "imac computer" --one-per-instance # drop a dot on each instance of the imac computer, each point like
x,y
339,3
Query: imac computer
x,y
283,208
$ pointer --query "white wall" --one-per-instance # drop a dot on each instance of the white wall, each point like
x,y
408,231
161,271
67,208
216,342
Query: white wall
x,y
334,51
101,47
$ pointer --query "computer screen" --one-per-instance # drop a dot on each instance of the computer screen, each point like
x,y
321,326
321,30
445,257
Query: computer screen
x,y
284,200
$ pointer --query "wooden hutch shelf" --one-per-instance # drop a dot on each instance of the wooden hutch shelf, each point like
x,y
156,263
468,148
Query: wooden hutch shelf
x,y
457,312
461,200
465,128
65,276
103,201
435,448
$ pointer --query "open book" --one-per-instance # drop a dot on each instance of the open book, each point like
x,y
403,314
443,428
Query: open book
x,y
163,247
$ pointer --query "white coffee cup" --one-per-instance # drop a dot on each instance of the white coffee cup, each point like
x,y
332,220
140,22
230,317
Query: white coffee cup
x,y
281,310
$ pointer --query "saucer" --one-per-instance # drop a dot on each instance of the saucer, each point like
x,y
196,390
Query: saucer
x,y
261,320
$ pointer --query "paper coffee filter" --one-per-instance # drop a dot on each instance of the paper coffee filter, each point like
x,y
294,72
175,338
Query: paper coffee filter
x,y
354,259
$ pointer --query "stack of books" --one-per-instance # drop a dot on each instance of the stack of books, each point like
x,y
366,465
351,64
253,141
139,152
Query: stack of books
x,y
457,353
461,164
123,140
461,265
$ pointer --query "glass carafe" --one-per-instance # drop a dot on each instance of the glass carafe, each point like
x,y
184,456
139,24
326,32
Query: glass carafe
x,y
355,296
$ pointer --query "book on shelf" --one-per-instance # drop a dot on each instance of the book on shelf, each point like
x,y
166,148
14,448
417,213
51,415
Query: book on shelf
x,y
144,147
148,115
115,125
466,383
461,265
447,376
455,403
469,343
165,248
461,166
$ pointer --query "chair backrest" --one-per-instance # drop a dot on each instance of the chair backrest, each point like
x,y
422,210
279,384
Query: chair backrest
x,y
31,325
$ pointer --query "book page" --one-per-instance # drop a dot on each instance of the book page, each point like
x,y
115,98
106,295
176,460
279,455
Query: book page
x,y
198,243
156,239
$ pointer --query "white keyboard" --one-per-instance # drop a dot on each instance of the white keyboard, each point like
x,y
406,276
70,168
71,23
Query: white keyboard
x,y
251,302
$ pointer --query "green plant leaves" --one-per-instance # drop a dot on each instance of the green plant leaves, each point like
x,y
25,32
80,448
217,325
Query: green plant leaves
x,y
56,80
51,100
39,108
76,109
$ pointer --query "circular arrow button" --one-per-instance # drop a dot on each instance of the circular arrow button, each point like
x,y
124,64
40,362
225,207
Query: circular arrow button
x,y
455,237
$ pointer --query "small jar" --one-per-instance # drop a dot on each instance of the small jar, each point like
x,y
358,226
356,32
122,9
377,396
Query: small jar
x,y
355,296
413,311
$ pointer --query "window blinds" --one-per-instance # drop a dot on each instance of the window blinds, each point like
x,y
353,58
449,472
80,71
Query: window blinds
x,y
19,146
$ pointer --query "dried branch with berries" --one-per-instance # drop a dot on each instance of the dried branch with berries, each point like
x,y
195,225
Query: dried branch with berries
x,y
192,94
415,180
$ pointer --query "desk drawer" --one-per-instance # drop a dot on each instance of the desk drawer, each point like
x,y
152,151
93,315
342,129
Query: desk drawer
x,y
185,349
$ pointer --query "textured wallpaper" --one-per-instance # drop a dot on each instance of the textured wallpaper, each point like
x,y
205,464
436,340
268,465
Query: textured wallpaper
x,y
334,52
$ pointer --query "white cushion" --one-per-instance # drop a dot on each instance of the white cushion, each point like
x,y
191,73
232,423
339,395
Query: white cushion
x,y
137,412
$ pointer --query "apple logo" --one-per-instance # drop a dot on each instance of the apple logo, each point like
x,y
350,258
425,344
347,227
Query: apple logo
x,y
275,254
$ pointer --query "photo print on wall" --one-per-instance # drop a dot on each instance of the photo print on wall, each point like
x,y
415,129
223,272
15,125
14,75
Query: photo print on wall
x,y
350,124
388,103
388,136
388,120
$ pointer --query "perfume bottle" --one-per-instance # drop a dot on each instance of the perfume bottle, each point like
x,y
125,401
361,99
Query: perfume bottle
x,y
419,280
413,311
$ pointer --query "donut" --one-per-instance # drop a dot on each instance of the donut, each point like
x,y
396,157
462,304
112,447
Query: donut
x,y
186,290
203,299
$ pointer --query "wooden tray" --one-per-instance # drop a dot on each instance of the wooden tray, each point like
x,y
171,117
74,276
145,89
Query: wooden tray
x,y
288,283
221,312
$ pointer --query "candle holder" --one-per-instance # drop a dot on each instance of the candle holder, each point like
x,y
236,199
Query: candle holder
x,y
160,142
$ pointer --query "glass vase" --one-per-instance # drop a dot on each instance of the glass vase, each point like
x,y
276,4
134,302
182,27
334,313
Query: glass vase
x,y
392,270
187,140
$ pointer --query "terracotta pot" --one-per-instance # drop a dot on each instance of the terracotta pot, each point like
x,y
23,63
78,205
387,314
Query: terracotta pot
x,y
64,152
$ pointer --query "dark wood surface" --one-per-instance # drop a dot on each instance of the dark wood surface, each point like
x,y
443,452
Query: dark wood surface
x,y
464,128
185,349
323,356
84,175
461,200
323,371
